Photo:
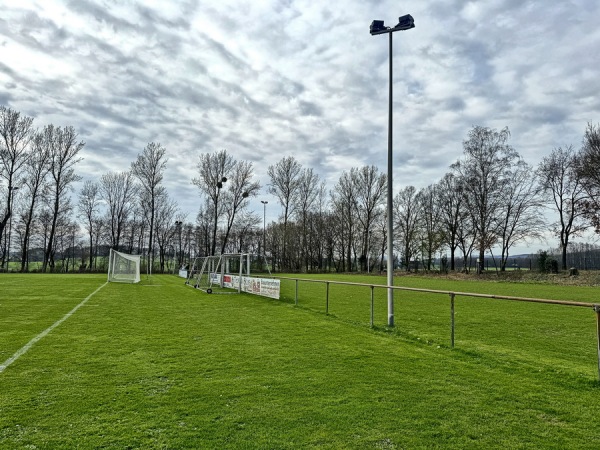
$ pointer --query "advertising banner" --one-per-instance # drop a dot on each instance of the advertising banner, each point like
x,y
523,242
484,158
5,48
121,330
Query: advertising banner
x,y
265,287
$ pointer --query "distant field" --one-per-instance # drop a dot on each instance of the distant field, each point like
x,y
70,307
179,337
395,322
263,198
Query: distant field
x,y
161,365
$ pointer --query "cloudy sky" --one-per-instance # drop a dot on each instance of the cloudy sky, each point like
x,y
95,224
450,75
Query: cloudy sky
x,y
265,79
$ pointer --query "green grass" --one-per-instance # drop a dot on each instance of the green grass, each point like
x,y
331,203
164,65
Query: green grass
x,y
161,365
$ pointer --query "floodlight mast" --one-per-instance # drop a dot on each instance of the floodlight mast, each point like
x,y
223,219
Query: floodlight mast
x,y
405,22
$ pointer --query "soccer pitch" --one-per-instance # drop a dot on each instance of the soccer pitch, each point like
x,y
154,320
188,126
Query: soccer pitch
x,y
161,365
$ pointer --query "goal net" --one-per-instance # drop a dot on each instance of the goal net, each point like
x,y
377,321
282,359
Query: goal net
x,y
123,268
220,274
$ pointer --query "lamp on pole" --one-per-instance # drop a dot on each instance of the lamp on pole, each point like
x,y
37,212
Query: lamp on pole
x,y
264,202
377,27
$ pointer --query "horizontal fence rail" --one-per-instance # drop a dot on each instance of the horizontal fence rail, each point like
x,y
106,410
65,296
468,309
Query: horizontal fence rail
x,y
452,295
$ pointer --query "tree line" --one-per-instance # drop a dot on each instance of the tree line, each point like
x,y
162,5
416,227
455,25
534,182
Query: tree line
x,y
489,199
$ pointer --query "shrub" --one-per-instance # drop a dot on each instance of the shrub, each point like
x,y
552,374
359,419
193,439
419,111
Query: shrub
x,y
551,266
542,259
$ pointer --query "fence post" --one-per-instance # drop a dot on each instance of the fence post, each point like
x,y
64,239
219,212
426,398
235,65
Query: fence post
x,y
452,319
327,300
296,300
372,306
597,310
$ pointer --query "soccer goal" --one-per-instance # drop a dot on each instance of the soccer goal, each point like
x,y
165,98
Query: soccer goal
x,y
123,268
220,274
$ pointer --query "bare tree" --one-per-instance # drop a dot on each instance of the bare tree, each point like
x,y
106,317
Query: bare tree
x,y
308,192
370,188
35,182
240,188
15,134
466,237
204,227
119,192
407,212
328,221
148,169
484,171
56,225
317,223
432,231
213,170
343,202
64,150
89,209
191,238
285,182
561,183
136,224
522,217
69,237
589,173
450,199
99,232
243,228
166,210
178,237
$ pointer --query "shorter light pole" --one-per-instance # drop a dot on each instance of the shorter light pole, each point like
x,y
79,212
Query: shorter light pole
x,y
178,224
264,202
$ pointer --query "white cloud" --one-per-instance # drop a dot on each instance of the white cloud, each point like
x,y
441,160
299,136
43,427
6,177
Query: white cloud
x,y
272,78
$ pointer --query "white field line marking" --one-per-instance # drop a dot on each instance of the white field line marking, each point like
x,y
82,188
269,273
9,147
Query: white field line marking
x,y
30,344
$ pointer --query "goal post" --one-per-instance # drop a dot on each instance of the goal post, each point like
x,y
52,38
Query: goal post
x,y
213,274
229,274
123,268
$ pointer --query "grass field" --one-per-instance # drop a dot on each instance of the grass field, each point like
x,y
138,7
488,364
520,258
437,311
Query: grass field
x,y
161,365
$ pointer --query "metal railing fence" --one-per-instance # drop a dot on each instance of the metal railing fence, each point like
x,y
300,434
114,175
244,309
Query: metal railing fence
x,y
452,295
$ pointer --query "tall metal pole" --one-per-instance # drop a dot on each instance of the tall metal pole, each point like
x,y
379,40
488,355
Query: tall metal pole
x,y
390,210
264,202
405,22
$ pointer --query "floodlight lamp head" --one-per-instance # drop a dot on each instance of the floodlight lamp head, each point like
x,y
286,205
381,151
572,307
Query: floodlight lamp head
x,y
405,22
376,27
224,179
219,185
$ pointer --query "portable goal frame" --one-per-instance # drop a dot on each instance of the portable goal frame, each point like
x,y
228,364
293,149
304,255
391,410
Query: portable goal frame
x,y
215,274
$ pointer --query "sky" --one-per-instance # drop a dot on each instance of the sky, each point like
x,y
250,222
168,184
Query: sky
x,y
266,79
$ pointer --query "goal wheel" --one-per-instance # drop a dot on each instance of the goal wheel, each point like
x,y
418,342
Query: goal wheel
x,y
209,291
195,286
